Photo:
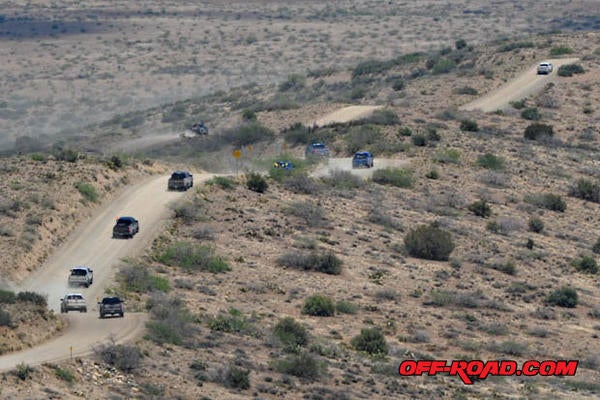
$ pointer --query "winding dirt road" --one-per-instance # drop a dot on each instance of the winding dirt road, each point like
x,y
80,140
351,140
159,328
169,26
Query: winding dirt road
x,y
92,245
526,84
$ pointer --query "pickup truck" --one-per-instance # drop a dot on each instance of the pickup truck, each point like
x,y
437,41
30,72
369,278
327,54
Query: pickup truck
x,y
81,276
180,180
362,159
73,302
544,68
126,227
111,306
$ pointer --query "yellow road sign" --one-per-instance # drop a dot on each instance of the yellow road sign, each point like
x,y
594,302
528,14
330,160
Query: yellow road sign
x,y
237,153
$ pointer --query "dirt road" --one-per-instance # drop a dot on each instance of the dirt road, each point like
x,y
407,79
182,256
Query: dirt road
x,y
345,164
526,84
92,245
345,114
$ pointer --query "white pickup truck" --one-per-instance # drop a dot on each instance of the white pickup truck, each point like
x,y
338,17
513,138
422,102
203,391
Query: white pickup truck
x,y
544,68
81,276
73,302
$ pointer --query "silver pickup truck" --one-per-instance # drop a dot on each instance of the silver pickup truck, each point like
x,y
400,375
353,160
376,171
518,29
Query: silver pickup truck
x,y
81,276
73,302
544,68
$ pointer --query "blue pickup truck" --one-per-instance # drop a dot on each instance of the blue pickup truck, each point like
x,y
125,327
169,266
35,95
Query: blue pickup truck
x,y
362,159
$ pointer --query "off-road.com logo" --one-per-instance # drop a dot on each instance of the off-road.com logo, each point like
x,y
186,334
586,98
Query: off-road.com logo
x,y
477,369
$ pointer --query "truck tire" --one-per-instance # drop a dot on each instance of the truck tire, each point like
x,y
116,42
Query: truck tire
x,y
121,315
84,310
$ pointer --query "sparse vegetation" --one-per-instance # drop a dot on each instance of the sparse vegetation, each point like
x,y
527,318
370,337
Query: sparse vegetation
x,y
291,334
394,176
481,208
469,125
429,242
256,182
371,341
490,161
550,201
326,262
126,358
536,131
586,190
535,224
319,306
570,69
302,365
563,297
192,257
88,191
586,264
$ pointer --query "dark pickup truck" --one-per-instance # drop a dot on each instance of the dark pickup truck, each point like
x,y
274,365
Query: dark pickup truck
x,y
111,306
126,227
180,180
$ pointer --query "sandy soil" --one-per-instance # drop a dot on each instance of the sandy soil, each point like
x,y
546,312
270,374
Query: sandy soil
x,y
344,114
526,84
345,164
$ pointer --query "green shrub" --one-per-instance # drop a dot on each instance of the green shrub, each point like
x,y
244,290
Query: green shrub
x,y
429,242
537,130
361,137
448,156
290,333
370,340
481,208
222,181
586,190
468,125
508,267
192,257
88,191
7,297
344,180
256,182
301,183
319,306
443,66
419,140
531,113
64,374
398,84
302,365
460,44
5,318
312,214
170,321
518,104
327,263
23,371
232,322
237,378
490,161
585,264
596,246
126,358
249,115
432,174
550,201
346,307
137,278
563,297
115,162
560,50
32,297
466,90
393,176
248,133
535,225
298,133
570,69
405,131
